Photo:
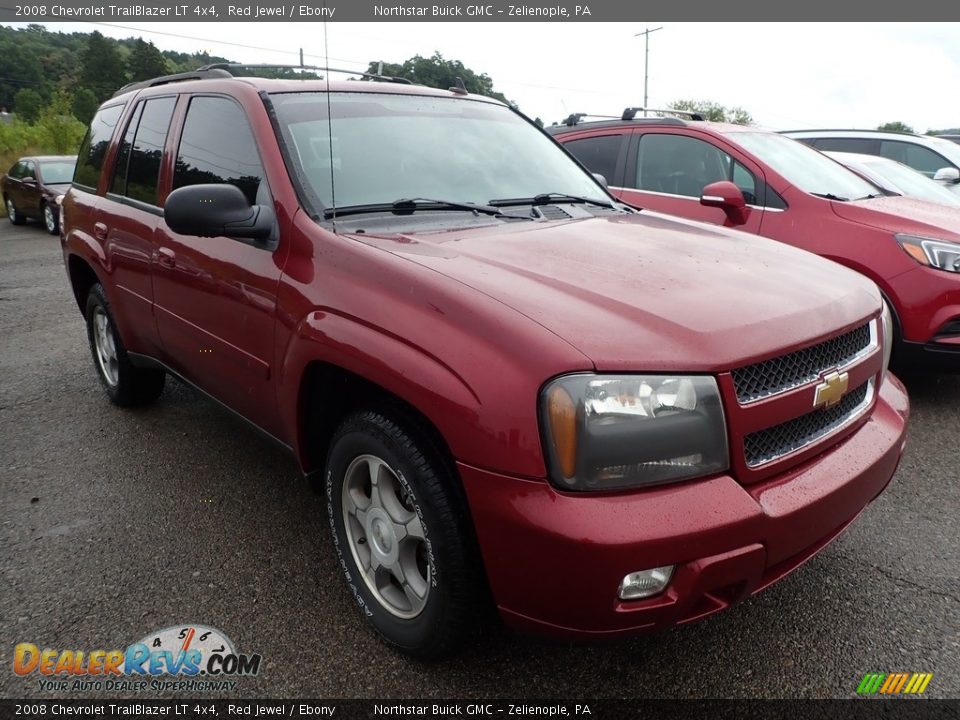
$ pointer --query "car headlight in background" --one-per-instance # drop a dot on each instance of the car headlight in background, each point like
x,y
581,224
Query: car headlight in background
x,y
938,254
606,432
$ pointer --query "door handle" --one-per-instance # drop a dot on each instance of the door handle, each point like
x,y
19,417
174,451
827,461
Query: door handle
x,y
100,231
167,257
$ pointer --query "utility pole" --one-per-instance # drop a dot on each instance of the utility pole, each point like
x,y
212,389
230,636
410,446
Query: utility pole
x,y
646,62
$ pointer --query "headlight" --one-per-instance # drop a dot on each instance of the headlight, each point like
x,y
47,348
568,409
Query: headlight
x,y
604,432
932,253
886,327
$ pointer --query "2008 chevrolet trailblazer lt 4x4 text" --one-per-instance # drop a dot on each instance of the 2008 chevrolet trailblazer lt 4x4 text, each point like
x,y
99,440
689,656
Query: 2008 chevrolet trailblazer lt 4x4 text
x,y
517,391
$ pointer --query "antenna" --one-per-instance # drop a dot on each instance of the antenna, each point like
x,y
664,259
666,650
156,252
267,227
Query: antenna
x,y
459,88
326,60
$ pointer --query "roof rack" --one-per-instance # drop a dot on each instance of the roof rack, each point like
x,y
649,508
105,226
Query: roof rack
x,y
574,118
221,70
631,112
856,130
301,66
204,73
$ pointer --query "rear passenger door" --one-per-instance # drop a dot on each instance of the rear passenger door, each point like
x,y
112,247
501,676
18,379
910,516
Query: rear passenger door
x,y
215,298
130,215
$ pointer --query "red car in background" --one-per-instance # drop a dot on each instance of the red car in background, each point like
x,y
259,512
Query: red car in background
x,y
770,185
31,187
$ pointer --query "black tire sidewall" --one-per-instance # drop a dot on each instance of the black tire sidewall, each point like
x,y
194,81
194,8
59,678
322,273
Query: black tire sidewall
x,y
96,299
416,635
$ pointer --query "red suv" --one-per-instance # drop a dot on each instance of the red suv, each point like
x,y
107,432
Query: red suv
x,y
514,390
767,184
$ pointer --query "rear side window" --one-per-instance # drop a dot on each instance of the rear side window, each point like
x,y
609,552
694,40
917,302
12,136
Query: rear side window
x,y
217,146
143,172
119,182
93,150
28,170
598,154
852,145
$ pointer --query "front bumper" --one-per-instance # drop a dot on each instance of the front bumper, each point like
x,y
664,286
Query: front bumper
x,y
555,560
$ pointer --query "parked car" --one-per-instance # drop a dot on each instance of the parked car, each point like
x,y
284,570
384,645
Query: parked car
x,y
516,391
767,184
949,136
935,157
895,178
31,187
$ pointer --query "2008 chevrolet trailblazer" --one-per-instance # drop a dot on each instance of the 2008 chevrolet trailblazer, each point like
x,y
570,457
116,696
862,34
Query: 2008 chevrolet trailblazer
x,y
516,390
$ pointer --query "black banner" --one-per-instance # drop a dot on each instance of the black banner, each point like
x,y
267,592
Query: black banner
x,y
116,11
864,709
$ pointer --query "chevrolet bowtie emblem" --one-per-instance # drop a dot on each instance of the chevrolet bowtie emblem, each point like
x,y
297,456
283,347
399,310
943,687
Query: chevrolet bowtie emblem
x,y
831,390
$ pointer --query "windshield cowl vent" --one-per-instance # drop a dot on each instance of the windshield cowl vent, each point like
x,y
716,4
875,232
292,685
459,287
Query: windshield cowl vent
x,y
553,212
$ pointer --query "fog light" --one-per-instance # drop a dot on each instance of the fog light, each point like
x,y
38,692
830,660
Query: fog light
x,y
645,583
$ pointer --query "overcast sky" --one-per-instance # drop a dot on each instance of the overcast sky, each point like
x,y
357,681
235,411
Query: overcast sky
x,y
787,75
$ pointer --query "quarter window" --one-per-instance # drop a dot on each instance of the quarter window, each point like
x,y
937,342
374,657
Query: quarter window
x,y
217,146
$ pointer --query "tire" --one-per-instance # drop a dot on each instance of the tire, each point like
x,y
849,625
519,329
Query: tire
x,y
50,220
438,606
14,215
126,385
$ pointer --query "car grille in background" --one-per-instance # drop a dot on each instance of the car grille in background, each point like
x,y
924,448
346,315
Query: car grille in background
x,y
770,377
780,440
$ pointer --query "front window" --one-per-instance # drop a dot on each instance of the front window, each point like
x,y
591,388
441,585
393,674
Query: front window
x,y
377,148
804,167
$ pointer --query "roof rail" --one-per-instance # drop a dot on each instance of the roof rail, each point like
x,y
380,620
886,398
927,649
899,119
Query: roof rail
x,y
631,112
204,73
267,66
574,118
856,130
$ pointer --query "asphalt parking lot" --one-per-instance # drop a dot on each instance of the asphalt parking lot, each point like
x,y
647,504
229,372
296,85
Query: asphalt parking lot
x,y
115,523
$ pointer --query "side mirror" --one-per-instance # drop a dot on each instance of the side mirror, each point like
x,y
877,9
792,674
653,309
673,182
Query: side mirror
x,y
729,198
600,179
948,175
214,210
29,181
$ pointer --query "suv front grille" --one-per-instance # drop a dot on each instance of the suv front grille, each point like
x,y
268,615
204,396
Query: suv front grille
x,y
783,373
775,442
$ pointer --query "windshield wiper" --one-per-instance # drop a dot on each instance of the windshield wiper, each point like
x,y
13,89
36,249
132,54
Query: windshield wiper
x,y
831,196
550,199
408,206
874,196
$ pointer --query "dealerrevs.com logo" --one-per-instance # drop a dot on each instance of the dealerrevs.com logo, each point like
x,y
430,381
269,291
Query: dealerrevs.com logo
x,y
178,658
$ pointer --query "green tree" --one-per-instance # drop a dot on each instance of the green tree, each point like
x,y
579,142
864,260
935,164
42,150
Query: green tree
x,y
63,132
84,105
27,104
714,111
145,61
896,126
438,72
101,66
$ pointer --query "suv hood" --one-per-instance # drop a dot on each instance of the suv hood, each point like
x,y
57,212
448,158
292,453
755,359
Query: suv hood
x,y
648,292
903,214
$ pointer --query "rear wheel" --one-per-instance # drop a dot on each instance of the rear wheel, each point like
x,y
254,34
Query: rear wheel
x,y
50,219
125,384
403,535
15,216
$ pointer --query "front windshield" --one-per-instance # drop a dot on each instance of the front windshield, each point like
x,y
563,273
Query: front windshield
x,y
388,147
805,167
57,171
912,183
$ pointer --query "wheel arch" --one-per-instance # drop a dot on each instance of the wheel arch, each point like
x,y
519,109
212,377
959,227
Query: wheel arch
x,y
82,278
